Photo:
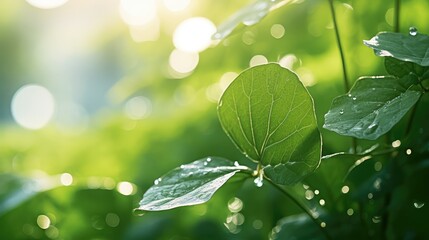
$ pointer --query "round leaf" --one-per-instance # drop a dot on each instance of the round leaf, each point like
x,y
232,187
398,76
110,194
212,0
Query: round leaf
x,y
269,115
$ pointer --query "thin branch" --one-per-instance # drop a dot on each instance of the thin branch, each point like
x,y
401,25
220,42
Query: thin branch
x,y
343,60
303,208
340,47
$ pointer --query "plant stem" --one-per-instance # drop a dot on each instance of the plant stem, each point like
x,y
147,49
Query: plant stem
x,y
340,47
303,208
343,60
397,12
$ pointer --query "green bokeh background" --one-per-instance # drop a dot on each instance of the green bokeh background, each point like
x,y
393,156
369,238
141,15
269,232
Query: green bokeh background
x,y
109,148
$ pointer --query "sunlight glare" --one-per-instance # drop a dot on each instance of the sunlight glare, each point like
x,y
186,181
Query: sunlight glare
x,y
194,34
137,12
146,33
176,5
46,4
32,106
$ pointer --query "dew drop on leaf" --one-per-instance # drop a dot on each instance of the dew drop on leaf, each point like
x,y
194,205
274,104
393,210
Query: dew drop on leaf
x,y
309,194
341,112
413,31
157,181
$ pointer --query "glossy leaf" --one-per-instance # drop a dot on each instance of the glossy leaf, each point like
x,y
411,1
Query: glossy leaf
x,y
372,107
248,15
410,48
189,184
269,115
397,67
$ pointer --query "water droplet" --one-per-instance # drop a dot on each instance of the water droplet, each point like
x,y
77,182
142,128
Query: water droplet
x,y
350,211
418,204
413,31
341,112
236,164
408,151
309,194
157,181
322,202
354,98
376,219
323,224
370,195
345,189
377,183
316,192
378,166
396,143
349,95
258,182
373,125
139,212
209,159
205,163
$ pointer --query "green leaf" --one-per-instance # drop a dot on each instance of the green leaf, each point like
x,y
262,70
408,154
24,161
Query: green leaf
x,y
189,184
372,107
403,47
269,115
397,67
248,15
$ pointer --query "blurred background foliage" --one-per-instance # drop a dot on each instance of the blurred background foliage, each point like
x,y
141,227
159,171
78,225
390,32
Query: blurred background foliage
x,y
122,110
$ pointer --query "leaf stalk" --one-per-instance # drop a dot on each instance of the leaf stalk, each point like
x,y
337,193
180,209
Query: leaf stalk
x,y
343,60
307,211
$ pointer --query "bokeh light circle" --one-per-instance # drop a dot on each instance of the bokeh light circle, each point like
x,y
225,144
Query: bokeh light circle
x,y
47,4
32,106
194,34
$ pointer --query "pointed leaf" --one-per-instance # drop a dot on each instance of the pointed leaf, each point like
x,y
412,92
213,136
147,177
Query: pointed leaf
x,y
410,48
372,107
248,15
189,184
269,114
